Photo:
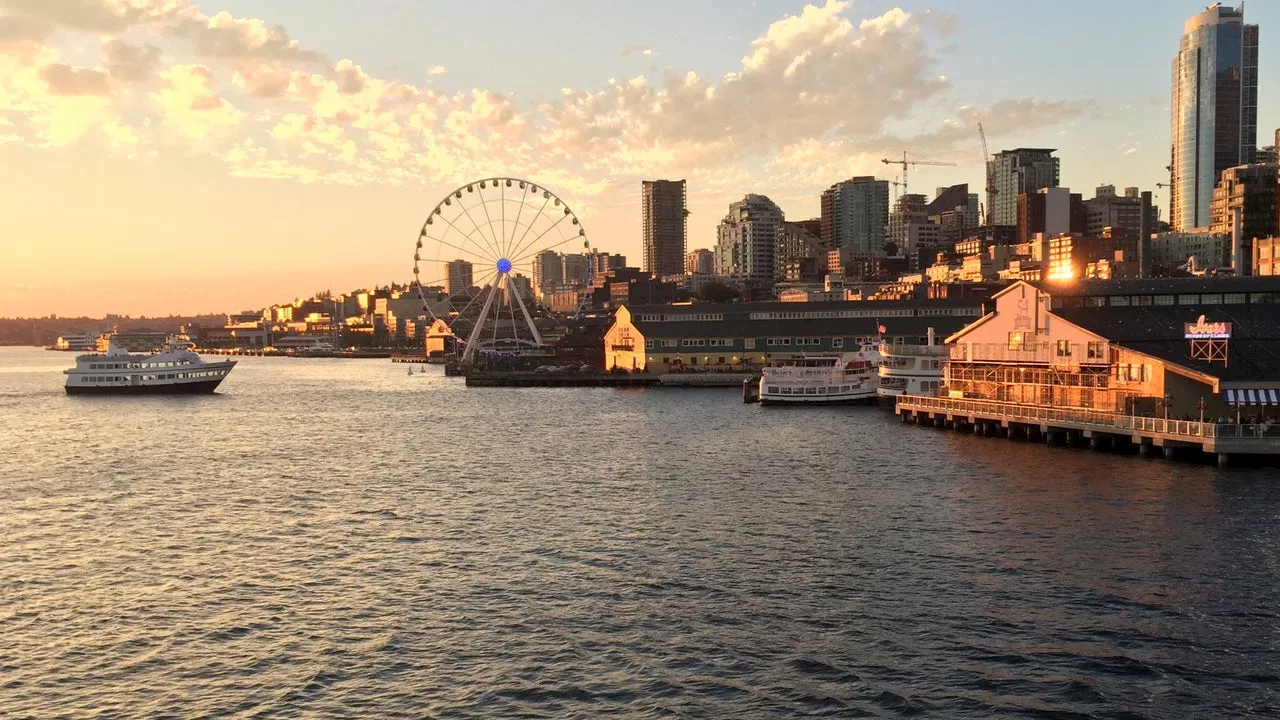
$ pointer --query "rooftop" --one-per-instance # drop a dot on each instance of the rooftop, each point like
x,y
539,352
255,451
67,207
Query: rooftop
x,y
1253,350
1164,286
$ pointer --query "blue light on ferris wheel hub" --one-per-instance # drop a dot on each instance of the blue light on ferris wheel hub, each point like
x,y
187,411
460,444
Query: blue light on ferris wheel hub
x,y
504,266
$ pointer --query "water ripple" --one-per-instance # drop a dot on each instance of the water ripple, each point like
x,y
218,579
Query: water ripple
x,y
333,539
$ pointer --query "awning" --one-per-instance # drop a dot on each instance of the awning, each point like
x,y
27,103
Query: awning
x,y
1252,397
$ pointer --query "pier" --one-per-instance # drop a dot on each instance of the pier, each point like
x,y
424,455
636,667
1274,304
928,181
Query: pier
x,y
1098,429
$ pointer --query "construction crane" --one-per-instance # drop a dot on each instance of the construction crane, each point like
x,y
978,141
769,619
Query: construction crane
x,y
984,213
894,182
905,163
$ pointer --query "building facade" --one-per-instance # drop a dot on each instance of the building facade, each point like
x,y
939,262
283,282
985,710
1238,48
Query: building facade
x,y
746,239
1200,250
1014,172
700,262
1266,256
458,277
795,243
743,336
1049,211
664,226
1245,207
855,214
1214,109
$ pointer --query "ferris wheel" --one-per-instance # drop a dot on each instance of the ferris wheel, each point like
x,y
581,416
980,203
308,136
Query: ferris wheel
x,y
482,254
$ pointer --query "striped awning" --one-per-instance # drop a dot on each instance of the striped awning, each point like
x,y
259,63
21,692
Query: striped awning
x,y
1252,397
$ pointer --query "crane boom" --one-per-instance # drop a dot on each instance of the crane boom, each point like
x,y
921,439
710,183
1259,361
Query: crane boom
x,y
905,162
991,178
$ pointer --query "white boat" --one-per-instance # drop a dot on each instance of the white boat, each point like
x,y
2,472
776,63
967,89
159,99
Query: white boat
x,y
910,370
176,369
836,379
77,342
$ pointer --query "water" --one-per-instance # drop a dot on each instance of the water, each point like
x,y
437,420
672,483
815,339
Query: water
x,y
329,538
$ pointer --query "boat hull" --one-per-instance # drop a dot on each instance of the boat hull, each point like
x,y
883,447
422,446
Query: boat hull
x,y
807,402
201,387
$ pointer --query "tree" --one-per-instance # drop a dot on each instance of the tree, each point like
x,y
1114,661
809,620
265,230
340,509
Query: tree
x,y
716,291
891,248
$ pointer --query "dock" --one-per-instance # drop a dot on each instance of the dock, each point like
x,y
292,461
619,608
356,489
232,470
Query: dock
x,y
1096,429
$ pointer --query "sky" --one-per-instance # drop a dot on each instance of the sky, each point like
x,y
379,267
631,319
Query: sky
x,y
186,156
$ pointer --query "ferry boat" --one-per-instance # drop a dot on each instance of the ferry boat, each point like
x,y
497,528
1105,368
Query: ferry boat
x,y
910,370
76,342
176,369
837,379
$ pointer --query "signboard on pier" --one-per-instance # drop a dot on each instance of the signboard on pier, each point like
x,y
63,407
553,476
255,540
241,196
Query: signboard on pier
x,y
1202,330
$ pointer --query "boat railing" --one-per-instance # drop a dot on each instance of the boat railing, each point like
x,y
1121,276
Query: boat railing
x,y
890,350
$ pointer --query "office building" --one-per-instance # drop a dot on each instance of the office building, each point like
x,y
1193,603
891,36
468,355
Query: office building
x,y
855,214
1049,212
700,262
1244,207
457,277
1214,109
665,226
746,239
1017,172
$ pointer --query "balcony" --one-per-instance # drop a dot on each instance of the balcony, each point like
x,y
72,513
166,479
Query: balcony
x,y
1038,353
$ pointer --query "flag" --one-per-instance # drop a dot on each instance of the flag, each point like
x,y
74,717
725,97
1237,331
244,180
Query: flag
x,y
882,330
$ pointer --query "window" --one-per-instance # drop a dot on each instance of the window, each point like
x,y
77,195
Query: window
x,y
1021,340
786,341
720,360
1211,298
1095,301
1120,301
1233,299
837,342
648,344
1262,297
772,341
1064,348
749,344
1188,299
1141,300
669,343
1163,299
1094,350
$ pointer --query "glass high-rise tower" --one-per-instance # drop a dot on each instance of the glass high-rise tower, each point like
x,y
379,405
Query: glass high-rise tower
x,y
1214,108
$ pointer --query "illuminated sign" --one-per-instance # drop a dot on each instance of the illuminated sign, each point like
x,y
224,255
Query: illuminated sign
x,y
1201,330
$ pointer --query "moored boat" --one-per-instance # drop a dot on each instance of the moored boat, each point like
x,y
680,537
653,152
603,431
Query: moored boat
x,y
910,370
836,379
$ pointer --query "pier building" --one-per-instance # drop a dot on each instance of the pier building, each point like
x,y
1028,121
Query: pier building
x,y
1185,362
741,336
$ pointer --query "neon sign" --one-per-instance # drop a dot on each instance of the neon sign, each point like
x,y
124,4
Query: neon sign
x,y
1201,330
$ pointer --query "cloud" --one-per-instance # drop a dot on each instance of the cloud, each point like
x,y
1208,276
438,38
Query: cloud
x,y
191,103
436,70
225,36
637,50
130,63
67,80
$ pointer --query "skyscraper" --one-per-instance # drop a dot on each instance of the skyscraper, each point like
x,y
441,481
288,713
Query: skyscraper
x,y
855,214
458,277
664,226
1214,109
746,239
1015,172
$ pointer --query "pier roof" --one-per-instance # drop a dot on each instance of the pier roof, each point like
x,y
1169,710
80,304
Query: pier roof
x,y
1164,286
741,326
1253,350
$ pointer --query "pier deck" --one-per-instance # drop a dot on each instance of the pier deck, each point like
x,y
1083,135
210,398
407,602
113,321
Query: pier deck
x,y
1099,428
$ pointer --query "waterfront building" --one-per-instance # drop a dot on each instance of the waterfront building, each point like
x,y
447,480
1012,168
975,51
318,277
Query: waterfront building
x,y
855,215
1214,109
742,336
1244,207
1137,347
1015,172
664,226
746,239
458,277
700,262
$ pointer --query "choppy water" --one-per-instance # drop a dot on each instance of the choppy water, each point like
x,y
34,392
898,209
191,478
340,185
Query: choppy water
x,y
338,539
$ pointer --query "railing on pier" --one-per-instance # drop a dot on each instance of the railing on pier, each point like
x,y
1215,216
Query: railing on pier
x,y
1097,418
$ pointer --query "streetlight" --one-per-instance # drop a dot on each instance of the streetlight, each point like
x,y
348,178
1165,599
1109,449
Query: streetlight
x,y
1201,405
1168,399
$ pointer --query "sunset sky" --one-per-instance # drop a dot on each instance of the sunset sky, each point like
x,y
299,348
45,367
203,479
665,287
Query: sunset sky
x,y
163,156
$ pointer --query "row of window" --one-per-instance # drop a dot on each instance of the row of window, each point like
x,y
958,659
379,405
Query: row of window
x,y
170,376
132,366
786,390
1094,349
693,317
750,343
873,313
1238,298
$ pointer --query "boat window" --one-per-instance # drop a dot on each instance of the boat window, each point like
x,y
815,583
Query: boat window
x,y
770,389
